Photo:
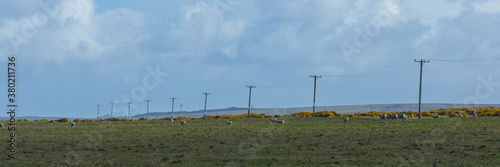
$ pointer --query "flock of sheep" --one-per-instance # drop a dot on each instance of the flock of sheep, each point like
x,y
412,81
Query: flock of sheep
x,y
382,116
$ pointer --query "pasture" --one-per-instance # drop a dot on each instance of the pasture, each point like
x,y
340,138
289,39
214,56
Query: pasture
x,y
362,141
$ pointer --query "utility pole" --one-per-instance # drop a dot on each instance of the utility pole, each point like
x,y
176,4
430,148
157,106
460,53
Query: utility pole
x,y
181,110
98,112
249,98
147,110
129,110
205,110
370,108
173,98
112,110
421,61
314,97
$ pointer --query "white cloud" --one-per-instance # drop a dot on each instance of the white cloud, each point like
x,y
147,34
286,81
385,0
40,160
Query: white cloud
x,y
492,6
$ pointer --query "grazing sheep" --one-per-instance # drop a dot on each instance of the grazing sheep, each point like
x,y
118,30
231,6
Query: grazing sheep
x,y
472,112
436,116
383,116
72,124
401,115
229,122
405,117
345,119
393,116
273,120
280,121
183,122
1,125
171,120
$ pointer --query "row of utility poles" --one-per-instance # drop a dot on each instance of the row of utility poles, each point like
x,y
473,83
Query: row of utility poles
x,y
315,77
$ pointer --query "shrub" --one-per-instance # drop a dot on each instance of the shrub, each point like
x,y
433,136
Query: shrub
x,y
277,115
325,114
63,120
124,119
303,114
133,120
143,119
182,118
88,120
44,120
76,120
22,120
112,119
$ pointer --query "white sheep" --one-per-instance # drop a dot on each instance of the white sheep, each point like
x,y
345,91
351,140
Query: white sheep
x,y
345,119
280,121
401,115
436,116
72,124
383,116
1,125
472,112
405,117
183,122
229,122
273,120
393,116
171,120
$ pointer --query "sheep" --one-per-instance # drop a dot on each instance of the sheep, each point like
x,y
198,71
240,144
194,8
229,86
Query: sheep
x,y
405,117
280,121
401,115
72,124
229,122
472,112
171,120
345,119
436,116
383,116
183,122
1,125
456,115
273,120
393,116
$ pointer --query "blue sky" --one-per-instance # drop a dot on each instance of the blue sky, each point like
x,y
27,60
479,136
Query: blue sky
x,y
73,55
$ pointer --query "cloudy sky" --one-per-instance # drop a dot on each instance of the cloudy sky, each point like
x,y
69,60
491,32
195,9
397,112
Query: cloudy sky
x,y
75,54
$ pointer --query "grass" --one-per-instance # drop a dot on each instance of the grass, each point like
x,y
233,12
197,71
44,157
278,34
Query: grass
x,y
363,141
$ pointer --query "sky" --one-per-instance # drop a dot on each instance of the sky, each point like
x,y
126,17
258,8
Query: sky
x,y
72,55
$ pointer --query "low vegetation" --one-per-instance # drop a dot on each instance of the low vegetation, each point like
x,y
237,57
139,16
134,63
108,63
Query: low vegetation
x,y
302,141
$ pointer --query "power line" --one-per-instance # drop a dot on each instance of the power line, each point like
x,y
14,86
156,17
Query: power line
x,y
300,82
399,67
469,60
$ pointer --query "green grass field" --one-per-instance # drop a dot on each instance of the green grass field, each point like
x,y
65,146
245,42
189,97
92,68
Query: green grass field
x,y
257,142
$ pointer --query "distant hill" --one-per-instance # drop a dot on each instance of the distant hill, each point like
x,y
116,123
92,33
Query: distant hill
x,y
282,111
